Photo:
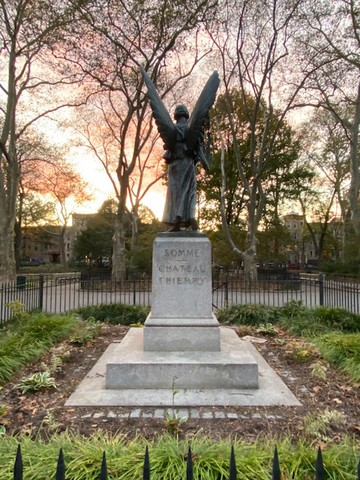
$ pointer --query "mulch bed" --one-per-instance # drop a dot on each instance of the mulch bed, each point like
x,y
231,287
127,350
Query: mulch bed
x,y
297,364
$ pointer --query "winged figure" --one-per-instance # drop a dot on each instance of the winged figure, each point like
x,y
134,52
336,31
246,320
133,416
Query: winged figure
x,y
183,144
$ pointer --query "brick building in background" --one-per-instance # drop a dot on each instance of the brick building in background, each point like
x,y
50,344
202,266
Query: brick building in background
x,y
41,244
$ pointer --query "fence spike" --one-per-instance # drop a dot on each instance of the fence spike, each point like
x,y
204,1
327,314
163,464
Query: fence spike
x,y
18,466
319,466
276,472
103,471
60,469
146,467
232,468
189,466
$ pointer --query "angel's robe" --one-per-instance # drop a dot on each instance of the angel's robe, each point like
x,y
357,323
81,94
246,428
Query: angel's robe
x,y
180,205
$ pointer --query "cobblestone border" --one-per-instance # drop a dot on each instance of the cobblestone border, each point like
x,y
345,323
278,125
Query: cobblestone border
x,y
161,413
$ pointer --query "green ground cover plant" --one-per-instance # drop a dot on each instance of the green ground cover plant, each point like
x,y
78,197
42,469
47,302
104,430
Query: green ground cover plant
x,y
36,382
247,315
338,344
343,351
168,454
334,331
28,337
314,324
115,313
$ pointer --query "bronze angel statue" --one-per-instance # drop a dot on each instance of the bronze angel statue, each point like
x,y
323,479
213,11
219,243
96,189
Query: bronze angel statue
x,y
183,144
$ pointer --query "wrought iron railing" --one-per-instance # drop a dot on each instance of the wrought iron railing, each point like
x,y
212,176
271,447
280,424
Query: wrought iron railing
x,y
64,293
319,468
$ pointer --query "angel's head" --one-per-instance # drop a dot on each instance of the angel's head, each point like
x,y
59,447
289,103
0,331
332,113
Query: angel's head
x,y
181,111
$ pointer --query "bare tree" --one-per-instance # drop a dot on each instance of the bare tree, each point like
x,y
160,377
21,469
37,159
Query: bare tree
x,y
333,42
33,153
98,128
65,187
325,146
254,44
28,32
120,37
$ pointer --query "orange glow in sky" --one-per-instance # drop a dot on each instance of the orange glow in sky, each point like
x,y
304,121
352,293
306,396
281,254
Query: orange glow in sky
x,y
93,173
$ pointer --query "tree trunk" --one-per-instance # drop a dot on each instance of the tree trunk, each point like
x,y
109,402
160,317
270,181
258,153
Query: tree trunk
x,y
249,259
63,257
18,244
118,257
134,229
7,250
354,168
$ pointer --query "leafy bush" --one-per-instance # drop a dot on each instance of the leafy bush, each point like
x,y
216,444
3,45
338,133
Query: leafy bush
x,y
247,315
321,425
115,313
298,319
312,322
35,382
303,325
342,350
293,309
23,342
337,319
125,459
85,331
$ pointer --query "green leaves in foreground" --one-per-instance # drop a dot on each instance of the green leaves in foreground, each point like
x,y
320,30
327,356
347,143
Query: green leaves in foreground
x,y
26,341
35,382
343,351
83,457
115,313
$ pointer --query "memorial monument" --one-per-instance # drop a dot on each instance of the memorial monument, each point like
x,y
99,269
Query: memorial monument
x,y
182,345
184,148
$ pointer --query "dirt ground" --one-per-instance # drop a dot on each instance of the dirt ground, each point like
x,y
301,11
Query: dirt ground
x,y
330,402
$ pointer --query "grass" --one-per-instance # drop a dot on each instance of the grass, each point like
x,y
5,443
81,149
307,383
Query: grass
x,y
247,315
335,332
30,336
116,313
168,457
343,351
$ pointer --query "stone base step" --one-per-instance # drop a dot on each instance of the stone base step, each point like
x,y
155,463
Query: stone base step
x,y
233,367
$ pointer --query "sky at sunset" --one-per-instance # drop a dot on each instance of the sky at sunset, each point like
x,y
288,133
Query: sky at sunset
x,y
93,173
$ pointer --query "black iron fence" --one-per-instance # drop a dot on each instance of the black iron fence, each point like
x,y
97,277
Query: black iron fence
x,y
319,468
66,292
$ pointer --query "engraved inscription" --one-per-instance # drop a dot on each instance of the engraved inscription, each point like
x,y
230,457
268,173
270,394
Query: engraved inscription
x,y
181,266
181,252
182,281
196,269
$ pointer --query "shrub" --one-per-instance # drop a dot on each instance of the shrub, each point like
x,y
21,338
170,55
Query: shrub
x,y
300,321
85,331
247,315
293,309
125,459
115,313
321,424
337,319
22,342
343,350
35,382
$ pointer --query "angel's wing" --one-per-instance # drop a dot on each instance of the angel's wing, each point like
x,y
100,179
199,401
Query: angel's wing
x,y
201,110
162,118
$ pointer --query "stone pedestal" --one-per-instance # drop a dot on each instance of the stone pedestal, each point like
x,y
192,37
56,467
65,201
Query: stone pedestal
x,y
134,368
182,345
181,317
